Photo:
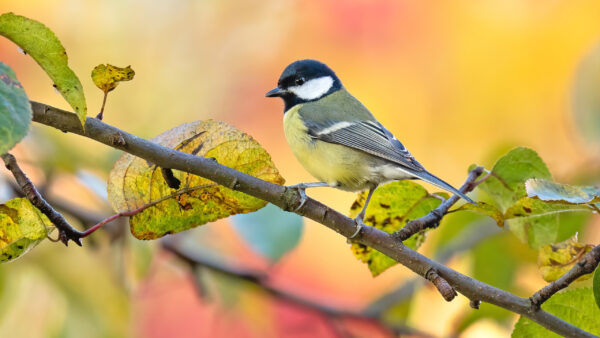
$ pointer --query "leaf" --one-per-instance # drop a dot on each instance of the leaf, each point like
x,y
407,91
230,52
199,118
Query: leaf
x,y
134,182
554,260
270,231
22,226
501,252
575,306
536,222
15,110
107,77
44,47
550,191
485,209
530,207
507,184
391,207
596,287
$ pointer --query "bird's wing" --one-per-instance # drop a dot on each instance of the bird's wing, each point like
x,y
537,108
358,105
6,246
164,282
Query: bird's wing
x,y
368,136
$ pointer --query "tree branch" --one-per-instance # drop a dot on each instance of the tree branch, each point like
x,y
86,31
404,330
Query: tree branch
x,y
288,199
432,219
467,239
66,231
259,278
587,264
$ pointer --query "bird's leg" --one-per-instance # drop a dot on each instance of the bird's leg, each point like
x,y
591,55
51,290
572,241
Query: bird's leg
x,y
359,219
301,187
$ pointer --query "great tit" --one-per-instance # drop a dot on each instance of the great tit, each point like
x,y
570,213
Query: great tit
x,y
337,139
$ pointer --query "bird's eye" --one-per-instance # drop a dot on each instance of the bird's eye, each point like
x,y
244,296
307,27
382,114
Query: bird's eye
x,y
300,81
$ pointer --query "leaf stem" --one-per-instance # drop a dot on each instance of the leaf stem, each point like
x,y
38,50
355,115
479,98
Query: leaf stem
x,y
101,114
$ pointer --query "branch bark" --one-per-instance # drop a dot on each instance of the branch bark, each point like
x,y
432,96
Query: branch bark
x,y
66,231
432,219
289,199
587,264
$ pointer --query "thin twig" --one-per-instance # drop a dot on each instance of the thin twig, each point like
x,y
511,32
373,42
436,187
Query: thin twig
x,y
261,279
288,199
433,218
587,264
142,208
65,231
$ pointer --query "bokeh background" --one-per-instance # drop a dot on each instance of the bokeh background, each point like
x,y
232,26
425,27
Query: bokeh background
x,y
459,82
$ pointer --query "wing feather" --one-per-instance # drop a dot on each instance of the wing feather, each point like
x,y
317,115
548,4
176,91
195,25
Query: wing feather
x,y
368,136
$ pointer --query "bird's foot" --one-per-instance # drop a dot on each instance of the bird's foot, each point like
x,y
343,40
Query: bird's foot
x,y
301,188
359,226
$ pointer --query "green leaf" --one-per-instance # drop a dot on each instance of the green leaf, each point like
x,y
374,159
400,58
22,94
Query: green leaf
x,y
507,184
391,207
574,306
22,226
502,252
270,231
554,260
134,182
596,286
506,187
550,191
485,209
499,253
536,222
15,110
44,47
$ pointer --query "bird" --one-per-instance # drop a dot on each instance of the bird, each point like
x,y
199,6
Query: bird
x,y
337,139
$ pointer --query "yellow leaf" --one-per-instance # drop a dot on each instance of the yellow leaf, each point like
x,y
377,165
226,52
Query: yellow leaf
x,y
22,226
134,182
391,207
107,77
555,260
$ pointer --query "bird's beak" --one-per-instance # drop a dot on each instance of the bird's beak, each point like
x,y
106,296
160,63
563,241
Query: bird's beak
x,y
275,92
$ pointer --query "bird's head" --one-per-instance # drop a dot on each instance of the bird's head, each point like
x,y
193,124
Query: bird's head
x,y
304,81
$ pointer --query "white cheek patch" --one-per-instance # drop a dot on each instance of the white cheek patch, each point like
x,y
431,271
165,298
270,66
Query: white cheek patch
x,y
313,89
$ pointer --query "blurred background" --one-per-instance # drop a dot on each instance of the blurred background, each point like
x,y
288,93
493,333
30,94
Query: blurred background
x,y
459,82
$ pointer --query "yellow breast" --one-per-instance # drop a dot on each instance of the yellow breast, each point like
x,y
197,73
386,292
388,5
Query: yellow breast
x,y
332,163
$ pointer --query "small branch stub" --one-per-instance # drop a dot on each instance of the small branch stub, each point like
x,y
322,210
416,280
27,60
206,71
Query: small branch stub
x,y
445,289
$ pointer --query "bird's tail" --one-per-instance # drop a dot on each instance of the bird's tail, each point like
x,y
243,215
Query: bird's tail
x,y
429,178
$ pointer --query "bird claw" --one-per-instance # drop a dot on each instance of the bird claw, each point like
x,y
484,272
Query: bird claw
x,y
302,191
359,226
303,198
